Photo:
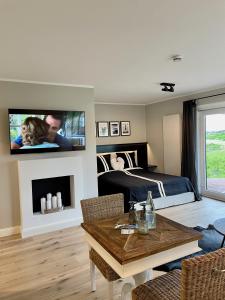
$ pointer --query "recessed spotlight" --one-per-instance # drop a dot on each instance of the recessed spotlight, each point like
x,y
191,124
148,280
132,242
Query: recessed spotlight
x,y
167,86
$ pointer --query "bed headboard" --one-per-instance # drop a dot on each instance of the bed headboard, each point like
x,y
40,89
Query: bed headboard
x,y
140,147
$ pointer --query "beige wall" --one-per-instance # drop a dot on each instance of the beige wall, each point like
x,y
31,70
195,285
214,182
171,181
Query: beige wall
x,y
154,121
35,96
154,124
136,114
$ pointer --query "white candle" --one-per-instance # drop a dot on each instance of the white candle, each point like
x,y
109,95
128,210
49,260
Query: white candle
x,y
49,196
59,200
43,205
49,204
54,202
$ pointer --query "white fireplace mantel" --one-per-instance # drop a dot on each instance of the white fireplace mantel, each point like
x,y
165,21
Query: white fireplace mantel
x,y
28,170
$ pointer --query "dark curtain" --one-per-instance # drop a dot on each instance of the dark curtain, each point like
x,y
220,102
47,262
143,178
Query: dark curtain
x,y
188,160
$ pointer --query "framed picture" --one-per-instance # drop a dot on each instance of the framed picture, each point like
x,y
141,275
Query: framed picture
x,y
114,128
125,127
103,129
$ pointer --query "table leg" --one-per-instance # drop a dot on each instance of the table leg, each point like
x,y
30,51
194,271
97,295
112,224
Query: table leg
x,y
143,277
126,291
139,279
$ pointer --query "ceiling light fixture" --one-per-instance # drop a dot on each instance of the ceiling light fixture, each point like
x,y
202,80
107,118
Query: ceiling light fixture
x,y
176,58
167,87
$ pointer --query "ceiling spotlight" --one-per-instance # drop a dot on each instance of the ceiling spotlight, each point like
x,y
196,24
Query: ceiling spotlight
x,y
176,58
167,87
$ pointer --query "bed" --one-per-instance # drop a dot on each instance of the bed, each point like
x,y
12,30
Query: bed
x,y
123,168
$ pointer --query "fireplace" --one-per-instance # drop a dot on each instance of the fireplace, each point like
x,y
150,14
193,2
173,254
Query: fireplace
x,y
54,185
39,177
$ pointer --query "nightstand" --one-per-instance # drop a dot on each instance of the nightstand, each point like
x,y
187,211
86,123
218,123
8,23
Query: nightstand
x,y
151,168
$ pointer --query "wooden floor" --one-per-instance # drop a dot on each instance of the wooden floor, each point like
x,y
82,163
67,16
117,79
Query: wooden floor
x,y
56,266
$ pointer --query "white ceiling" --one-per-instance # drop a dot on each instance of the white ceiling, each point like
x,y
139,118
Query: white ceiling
x,y
121,47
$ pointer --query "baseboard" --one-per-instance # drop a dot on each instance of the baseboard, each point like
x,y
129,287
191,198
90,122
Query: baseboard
x,y
31,231
9,231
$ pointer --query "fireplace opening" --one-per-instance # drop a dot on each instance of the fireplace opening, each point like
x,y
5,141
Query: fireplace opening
x,y
53,185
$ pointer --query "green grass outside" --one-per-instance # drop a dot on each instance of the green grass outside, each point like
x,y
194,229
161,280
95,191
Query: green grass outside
x,y
220,135
215,160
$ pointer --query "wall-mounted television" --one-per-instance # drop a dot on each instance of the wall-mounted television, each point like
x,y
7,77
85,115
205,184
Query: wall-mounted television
x,y
35,131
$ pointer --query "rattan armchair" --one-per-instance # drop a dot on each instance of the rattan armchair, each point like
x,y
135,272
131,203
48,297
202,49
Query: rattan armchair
x,y
95,209
201,278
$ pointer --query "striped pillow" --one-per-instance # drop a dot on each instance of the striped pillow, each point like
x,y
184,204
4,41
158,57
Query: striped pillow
x,y
129,159
103,163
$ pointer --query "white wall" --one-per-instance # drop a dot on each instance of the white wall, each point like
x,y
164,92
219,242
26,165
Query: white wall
x,y
154,123
172,144
136,114
155,113
37,96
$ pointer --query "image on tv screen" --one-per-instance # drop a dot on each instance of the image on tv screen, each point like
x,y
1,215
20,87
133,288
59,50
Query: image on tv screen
x,y
46,131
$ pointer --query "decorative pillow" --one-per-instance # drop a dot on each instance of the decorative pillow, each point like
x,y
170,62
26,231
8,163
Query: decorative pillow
x,y
129,159
103,163
117,163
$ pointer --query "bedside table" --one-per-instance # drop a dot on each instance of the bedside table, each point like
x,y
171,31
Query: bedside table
x,y
151,168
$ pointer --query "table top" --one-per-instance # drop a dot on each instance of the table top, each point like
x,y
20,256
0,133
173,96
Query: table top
x,y
219,225
126,248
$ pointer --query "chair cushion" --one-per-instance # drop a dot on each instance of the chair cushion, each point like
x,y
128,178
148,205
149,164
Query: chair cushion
x,y
103,267
211,240
176,264
165,287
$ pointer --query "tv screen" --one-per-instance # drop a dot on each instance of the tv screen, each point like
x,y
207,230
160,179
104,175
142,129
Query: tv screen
x,y
35,131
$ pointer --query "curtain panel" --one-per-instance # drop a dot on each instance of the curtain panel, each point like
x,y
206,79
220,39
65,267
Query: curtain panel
x,y
189,133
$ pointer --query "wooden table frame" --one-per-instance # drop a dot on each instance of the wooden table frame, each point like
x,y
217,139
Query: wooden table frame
x,y
143,264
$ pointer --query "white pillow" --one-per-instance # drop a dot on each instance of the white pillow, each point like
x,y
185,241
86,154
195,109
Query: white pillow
x,y
117,163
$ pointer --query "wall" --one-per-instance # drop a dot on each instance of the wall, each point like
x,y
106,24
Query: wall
x,y
37,96
155,113
136,114
154,121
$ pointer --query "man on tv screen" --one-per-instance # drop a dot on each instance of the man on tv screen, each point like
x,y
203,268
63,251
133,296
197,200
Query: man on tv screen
x,y
34,133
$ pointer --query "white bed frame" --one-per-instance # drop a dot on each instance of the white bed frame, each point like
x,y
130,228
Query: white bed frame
x,y
168,201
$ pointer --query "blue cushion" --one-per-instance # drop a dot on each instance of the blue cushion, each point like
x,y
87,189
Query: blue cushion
x,y
211,241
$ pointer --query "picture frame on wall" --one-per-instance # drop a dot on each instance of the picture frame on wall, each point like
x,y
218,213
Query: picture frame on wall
x,y
125,128
103,129
114,127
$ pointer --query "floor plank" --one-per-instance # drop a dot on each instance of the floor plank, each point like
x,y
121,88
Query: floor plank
x,y
55,266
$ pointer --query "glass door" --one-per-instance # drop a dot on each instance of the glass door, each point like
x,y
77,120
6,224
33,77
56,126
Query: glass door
x,y
212,153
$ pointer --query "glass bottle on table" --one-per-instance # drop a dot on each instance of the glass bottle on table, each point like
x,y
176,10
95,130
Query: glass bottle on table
x,y
150,211
132,213
142,221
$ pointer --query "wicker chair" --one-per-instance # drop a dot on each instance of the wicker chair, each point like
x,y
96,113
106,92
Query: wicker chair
x,y
201,278
95,209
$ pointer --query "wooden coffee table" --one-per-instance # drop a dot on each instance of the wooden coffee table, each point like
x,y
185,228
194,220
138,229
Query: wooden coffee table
x,y
132,255
219,226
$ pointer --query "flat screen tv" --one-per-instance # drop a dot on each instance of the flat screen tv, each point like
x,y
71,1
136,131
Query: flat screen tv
x,y
35,131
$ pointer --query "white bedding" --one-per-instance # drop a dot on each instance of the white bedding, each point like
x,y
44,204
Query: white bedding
x,y
168,201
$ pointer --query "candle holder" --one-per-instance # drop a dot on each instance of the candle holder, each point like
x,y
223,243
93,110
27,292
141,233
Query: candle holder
x,y
51,204
52,210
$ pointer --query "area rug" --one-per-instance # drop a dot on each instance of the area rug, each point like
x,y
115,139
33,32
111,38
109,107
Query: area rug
x,y
211,241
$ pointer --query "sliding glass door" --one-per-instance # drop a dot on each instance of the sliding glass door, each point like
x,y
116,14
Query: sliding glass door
x,y
212,153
